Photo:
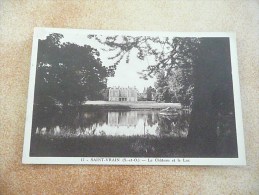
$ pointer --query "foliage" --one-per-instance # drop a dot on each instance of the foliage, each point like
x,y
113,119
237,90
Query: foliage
x,y
150,93
67,73
174,61
175,87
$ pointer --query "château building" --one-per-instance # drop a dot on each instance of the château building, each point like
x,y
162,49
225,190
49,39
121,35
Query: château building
x,y
128,94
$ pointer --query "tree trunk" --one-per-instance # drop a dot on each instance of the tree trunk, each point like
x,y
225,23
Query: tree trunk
x,y
213,94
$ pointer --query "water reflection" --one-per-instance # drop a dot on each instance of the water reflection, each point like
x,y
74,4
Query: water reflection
x,y
109,123
123,118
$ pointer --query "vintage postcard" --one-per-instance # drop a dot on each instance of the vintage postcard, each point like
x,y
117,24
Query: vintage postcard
x,y
133,98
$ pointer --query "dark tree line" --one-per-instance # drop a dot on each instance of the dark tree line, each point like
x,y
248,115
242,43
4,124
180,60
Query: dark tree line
x,y
67,73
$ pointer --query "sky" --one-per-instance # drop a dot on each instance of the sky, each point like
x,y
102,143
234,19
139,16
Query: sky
x,y
126,74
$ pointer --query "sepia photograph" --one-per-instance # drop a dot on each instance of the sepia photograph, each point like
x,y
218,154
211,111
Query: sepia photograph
x,y
133,98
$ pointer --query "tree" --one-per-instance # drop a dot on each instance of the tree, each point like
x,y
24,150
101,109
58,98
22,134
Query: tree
x,y
150,93
162,88
174,87
213,92
174,60
199,67
67,73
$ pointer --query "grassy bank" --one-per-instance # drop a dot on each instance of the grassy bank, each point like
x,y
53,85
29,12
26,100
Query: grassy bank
x,y
108,146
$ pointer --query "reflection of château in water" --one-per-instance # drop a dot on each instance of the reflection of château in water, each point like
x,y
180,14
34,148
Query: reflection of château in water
x,y
128,94
122,118
131,118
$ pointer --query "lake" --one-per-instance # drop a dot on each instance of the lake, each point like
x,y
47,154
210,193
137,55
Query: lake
x,y
111,123
88,131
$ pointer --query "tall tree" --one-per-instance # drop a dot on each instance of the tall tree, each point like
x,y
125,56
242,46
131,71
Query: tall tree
x,y
150,93
68,73
213,93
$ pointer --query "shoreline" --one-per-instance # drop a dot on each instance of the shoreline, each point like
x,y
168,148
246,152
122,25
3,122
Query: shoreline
x,y
131,105
108,105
